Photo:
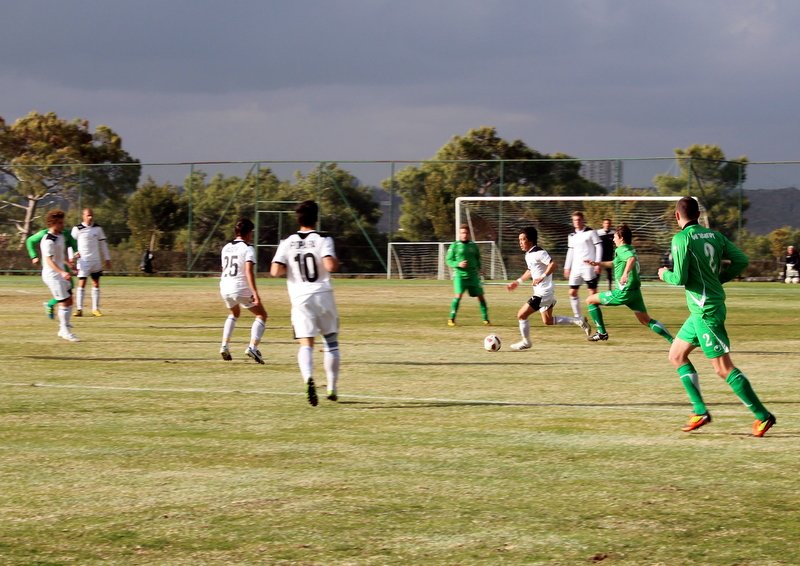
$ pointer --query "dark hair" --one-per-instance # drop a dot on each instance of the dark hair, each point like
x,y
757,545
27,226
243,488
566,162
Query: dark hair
x,y
307,213
464,227
53,216
624,232
688,208
531,233
243,227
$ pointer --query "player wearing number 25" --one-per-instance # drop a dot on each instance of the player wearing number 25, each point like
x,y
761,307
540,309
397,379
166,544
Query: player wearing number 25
x,y
698,254
307,258
237,285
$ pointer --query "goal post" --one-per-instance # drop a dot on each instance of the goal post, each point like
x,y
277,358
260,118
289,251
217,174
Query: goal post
x,y
426,260
500,219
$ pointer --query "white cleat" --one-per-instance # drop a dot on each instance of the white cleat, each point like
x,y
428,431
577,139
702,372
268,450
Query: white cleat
x,y
69,336
584,324
254,354
521,345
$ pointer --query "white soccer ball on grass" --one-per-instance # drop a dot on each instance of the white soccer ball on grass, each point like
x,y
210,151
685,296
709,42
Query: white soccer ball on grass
x,y
491,343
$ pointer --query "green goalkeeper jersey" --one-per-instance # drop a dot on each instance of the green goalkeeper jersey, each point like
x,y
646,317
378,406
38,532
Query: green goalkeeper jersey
x,y
460,251
698,254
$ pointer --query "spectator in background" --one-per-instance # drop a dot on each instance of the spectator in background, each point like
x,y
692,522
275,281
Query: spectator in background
x,y
791,267
606,234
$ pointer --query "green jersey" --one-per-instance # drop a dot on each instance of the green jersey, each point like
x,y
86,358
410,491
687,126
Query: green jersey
x,y
621,256
33,242
698,255
460,251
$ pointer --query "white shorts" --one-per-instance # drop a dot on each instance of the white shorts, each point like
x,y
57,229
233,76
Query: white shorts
x,y
87,266
541,304
314,314
585,274
244,298
59,288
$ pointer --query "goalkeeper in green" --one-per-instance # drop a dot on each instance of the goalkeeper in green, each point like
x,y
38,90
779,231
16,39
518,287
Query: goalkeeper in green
x,y
32,244
628,291
704,259
464,257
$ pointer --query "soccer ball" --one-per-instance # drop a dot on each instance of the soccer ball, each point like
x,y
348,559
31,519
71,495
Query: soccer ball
x,y
491,343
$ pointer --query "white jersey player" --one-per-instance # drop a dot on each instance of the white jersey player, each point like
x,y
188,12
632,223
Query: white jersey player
x,y
92,256
583,245
307,258
237,286
57,279
540,271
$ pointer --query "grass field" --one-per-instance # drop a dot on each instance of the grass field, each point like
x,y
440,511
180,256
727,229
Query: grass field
x,y
139,445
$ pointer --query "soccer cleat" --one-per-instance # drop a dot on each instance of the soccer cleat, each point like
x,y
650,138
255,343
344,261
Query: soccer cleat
x,y
311,391
79,312
96,313
521,345
451,322
696,421
487,323
597,337
332,396
760,428
69,336
255,354
584,324
48,310
225,353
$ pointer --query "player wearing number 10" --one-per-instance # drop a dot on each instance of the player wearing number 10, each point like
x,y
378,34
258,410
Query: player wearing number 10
x,y
307,258
699,255
237,285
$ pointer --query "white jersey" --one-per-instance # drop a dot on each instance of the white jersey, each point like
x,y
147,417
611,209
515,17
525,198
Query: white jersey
x,y
583,245
234,256
537,260
92,243
302,255
52,245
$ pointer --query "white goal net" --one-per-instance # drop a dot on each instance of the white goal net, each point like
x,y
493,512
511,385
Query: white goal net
x,y
426,260
500,219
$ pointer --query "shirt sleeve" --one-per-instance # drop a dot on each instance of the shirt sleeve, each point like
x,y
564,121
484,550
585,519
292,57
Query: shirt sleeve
x,y
450,258
103,244
33,242
598,246
280,253
328,249
680,267
738,261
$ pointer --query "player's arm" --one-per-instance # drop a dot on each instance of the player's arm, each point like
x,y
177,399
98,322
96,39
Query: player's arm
x,y
72,246
278,266
250,275
328,252
32,243
629,264
520,280
680,266
568,261
599,263
102,243
738,261
450,258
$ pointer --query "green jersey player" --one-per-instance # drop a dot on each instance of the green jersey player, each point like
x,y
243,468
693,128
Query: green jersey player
x,y
628,291
465,259
704,259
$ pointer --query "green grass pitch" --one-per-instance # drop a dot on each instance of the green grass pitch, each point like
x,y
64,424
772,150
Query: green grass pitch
x,y
140,445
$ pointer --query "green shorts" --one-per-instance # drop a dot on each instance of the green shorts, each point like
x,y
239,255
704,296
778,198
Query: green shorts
x,y
706,332
631,299
471,285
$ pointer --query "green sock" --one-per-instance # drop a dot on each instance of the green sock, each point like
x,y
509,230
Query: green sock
x,y
51,303
741,386
454,308
484,308
659,329
597,318
691,382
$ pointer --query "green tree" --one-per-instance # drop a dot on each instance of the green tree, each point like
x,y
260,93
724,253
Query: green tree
x,y
480,164
704,172
51,160
155,215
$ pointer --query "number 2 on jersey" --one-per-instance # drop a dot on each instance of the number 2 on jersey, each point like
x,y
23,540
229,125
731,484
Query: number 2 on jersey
x,y
307,266
231,267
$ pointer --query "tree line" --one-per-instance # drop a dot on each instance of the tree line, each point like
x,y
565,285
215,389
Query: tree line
x,y
46,161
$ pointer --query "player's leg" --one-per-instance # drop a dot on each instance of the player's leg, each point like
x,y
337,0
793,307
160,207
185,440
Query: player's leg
x,y
259,324
228,328
328,320
80,292
96,293
574,301
305,330
305,361
60,289
683,345
596,314
458,292
523,320
483,307
635,301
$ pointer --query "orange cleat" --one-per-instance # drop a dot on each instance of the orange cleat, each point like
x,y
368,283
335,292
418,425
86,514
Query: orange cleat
x,y
760,428
696,421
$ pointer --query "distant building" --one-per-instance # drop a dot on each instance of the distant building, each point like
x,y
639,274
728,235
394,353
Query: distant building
x,y
606,172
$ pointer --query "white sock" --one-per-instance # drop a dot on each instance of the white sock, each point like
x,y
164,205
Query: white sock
x,y
563,320
257,331
63,319
95,298
227,330
305,359
525,329
576,306
331,359
79,298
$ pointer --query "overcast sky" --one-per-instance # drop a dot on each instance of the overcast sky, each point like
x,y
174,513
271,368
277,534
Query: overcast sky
x,y
338,80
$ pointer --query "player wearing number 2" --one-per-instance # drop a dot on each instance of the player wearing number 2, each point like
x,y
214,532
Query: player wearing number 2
x,y
307,258
237,285
700,265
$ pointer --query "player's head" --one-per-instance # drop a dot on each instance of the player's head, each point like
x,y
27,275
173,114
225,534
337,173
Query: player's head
x,y
624,234
606,224
790,249
578,220
88,216
243,228
463,233
528,237
55,220
687,210
307,213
